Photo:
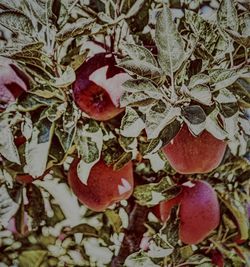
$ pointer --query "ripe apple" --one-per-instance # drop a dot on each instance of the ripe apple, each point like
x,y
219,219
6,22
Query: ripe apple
x,y
199,211
98,87
189,154
105,186
13,82
163,210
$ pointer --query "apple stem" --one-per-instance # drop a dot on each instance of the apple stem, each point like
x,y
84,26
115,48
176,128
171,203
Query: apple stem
x,y
133,234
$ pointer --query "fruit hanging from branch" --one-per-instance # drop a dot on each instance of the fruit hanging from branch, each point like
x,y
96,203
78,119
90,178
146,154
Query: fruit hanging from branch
x,y
189,154
199,211
98,87
104,187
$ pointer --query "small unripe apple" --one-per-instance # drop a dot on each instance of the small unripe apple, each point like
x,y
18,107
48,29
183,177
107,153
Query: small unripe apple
x,y
199,211
189,154
105,185
98,87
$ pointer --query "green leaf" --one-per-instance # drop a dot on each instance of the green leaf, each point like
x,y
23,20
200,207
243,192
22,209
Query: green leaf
x,y
135,8
203,30
159,116
165,136
40,10
202,94
225,97
198,79
55,111
16,22
228,109
80,27
195,118
227,15
37,149
213,125
153,193
221,78
139,90
8,207
139,259
115,220
85,229
7,146
143,85
89,141
240,214
131,124
30,102
241,88
48,92
32,258
66,132
142,69
199,260
140,53
238,38
67,78
194,114
169,42
123,160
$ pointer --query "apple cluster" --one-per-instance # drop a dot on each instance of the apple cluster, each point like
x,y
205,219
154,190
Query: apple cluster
x,y
96,91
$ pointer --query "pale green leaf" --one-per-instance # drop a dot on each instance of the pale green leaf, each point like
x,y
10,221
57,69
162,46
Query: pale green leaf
x,y
225,96
153,193
7,146
80,27
142,68
222,78
139,259
240,214
198,79
169,42
140,53
37,149
8,207
131,124
17,22
213,126
89,141
227,15
32,258
202,94
159,116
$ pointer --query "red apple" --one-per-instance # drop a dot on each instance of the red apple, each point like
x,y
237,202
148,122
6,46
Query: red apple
x,y
13,82
105,186
199,211
163,210
98,87
189,154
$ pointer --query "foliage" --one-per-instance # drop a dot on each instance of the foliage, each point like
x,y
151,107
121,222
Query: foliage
x,y
185,67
